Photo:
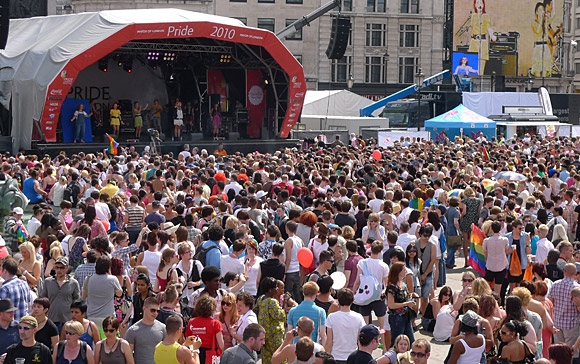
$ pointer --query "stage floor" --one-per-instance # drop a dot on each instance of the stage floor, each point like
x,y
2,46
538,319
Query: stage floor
x,y
231,146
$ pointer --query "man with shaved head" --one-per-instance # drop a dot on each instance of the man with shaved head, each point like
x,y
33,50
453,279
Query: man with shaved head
x,y
566,314
287,351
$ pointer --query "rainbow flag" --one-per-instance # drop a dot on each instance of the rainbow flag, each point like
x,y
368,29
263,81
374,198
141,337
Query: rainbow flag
x,y
485,154
21,234
112,145
476,258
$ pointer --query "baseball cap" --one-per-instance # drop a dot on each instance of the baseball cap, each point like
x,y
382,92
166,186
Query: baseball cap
x,y
188,200
62,260
470,319
29,320
442,208
371,331
18,211
6,305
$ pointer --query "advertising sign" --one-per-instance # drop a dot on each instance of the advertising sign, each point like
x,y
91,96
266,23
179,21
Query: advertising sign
x,y
511,38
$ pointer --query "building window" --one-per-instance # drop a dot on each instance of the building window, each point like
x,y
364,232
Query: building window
x,y
577,67
410,6
376,35
294,1
297,35
298,58
407,68
409,36
578,23
243,20
375,69
267,1
376,6
267,23
341,68
347,5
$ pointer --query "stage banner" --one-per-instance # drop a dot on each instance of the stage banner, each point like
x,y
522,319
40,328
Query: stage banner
x,y
255,101
216,85
67,112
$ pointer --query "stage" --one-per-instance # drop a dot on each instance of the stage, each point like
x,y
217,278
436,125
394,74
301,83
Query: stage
x,y
194,140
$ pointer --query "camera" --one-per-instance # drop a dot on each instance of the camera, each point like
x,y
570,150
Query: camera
x,y
153,132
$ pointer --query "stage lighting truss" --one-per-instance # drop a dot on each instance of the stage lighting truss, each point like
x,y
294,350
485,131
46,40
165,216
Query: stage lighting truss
x,y
225,58
168,57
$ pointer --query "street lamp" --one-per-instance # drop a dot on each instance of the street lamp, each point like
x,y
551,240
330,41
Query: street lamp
x,y
350,81
386,58
419,78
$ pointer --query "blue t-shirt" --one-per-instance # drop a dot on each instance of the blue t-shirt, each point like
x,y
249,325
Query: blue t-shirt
x,y
9,336
452,214
213,256
308,309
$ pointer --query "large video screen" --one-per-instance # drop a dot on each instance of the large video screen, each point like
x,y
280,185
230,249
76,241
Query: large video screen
x,y
511,38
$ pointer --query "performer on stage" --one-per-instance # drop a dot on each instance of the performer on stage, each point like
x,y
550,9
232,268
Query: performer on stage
x,y
156,115
481,32
542,57
138,118
79,116
116,119
464,68
216,120
178,121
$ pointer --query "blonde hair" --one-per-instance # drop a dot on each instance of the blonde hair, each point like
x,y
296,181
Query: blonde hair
x,y
232,223
524,294
30,248
231,298
347,232
75,327
398,339
468,192
480,286
560,233
468,274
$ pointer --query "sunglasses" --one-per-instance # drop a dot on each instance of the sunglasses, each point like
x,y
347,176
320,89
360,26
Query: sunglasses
x,y
24,328
418,355
110,330
154,310
446,294
426,235
467,280
412,251
504,333
69,333
225,303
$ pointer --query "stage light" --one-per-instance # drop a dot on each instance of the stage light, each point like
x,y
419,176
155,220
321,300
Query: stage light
x,y
153,56
225,58
266,82
128,64
104,64
168,57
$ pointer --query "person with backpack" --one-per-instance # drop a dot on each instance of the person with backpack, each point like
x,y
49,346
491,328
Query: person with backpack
x,y
372,270
210,253
72,350
72,190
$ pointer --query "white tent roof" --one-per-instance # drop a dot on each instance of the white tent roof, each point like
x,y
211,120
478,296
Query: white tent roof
x,y
39,48
335,103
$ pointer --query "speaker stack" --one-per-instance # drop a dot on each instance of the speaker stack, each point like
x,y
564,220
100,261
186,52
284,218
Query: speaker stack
x,y
338,37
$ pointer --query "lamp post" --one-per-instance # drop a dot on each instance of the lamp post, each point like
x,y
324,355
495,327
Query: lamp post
x,y
419,78
350,81
386,58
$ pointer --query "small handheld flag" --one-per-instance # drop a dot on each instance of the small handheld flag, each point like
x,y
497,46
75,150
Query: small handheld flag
x,y
112,145
485,154
476,258
21,234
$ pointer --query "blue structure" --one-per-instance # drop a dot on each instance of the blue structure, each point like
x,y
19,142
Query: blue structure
x,y
457,121
368,110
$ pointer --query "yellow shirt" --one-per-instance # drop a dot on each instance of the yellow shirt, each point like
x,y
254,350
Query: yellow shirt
x,y
166,354
115,113
110,190
156,110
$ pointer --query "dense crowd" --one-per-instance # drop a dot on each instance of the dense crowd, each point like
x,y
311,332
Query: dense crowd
x,y
292,256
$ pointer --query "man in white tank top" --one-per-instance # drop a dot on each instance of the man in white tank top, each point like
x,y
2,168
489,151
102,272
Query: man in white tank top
x,y
291,247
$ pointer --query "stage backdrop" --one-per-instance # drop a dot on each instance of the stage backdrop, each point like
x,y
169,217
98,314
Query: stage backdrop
x,y
66,114
517,35
255,101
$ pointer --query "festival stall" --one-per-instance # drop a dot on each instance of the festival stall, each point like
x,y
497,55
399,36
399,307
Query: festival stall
x,y
460,121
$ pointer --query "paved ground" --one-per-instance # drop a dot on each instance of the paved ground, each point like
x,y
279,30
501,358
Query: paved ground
x,y
439,350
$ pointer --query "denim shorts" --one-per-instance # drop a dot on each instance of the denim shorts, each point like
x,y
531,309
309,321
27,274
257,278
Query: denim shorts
x,y
426,288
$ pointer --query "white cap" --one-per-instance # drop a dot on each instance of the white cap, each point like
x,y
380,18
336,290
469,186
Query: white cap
x,y
18,211
2,242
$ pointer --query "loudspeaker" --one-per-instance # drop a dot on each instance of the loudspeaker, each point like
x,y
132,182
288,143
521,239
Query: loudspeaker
x,y
509,64
499,83
4,22
338,37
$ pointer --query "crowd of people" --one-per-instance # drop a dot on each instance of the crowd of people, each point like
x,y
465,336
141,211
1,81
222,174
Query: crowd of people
x,y
293,256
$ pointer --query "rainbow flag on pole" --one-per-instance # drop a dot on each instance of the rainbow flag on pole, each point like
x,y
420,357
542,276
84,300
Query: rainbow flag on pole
x,y
476,258
112,145
485,154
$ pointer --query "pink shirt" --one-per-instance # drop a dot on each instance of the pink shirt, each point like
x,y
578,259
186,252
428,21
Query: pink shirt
x,y
495,247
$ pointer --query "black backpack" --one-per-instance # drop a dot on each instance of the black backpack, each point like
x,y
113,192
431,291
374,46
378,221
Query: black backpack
x,y
60,350
202,253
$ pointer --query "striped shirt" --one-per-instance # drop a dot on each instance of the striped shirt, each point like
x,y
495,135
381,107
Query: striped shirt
x,y
135,216
82,272
19,293
565,312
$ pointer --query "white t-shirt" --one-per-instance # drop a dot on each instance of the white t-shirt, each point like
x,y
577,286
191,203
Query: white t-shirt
x,y
229,264
544,246
444,324
345,327
375,204
317,248
251,285
405,239
376,268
